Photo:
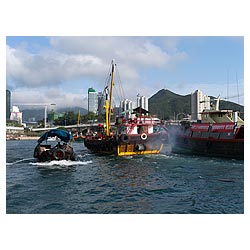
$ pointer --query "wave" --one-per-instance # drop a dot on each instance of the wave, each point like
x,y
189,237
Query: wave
x,y
63,163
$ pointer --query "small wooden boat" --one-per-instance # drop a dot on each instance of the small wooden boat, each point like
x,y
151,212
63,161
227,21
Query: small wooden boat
x,y
48,152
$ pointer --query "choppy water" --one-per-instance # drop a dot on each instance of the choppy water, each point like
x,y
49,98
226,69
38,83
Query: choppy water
x,y
154,184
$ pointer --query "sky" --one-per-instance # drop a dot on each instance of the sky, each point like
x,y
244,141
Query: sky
x,y
60,69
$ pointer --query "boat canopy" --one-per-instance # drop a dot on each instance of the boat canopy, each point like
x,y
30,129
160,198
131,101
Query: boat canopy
x,y
62,134
140,110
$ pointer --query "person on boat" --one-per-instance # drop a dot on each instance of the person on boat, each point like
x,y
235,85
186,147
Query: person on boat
x,y
66,147
100,130
89,132
111,132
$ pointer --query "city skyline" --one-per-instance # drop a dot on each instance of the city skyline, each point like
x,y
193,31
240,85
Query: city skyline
x,y
61,69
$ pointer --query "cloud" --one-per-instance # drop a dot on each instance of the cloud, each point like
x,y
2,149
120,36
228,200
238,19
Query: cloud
x,y
85,59
50,96
51,68
73,57
134,51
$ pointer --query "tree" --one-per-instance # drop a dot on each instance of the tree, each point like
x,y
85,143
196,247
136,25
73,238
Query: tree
x,y
69,118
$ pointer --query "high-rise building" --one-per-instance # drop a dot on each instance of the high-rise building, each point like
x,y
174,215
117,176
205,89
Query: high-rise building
x,y
142,102
92,101
126,107
199,103
101,103
8,100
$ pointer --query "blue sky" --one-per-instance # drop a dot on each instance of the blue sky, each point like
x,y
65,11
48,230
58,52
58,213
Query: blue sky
x,y
61,69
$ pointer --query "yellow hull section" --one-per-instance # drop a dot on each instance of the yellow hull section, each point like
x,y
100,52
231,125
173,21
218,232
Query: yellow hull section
x,y
129,151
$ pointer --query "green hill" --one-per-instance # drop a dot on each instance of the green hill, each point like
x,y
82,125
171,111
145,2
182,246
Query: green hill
x,y
166,104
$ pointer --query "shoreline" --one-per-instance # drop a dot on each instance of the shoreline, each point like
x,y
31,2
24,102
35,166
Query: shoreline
x,y
19,138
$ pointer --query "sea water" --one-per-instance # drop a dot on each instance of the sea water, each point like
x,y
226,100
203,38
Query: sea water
x,y
150,184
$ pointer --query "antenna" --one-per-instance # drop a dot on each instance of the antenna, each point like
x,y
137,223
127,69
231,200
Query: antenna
x,y
227,87
227,83
237,88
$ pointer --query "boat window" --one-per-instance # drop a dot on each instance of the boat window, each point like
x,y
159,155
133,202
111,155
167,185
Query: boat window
x,y
140,129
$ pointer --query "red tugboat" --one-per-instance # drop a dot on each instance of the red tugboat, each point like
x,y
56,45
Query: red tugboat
x,y
137,136
220,134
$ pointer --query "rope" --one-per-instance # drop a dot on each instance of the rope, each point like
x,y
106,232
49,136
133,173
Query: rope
x,y
122,94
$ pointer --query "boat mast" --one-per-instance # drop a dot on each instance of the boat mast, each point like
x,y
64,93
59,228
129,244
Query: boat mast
x,y
106,109
109,106
78,118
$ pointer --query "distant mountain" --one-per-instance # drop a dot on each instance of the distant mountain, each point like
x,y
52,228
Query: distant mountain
x,y
38,114
73,109
165,104
32,114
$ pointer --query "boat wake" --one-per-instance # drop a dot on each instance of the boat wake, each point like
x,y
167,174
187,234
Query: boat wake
x,y
159,156
19,161
62,163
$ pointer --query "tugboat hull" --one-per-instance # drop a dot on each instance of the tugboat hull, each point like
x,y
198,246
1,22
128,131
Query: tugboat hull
x,y
220,143
215,148
125,145
140,145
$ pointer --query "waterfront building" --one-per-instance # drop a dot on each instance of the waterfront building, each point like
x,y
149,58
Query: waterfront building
x,y
199,103
92,100
142,102
8,103
16,115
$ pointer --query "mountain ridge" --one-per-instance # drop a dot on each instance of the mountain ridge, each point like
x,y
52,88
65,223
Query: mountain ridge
x,y
164,104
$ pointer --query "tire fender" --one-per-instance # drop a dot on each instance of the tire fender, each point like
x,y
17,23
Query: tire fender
x,y
124,138
59,154
144,136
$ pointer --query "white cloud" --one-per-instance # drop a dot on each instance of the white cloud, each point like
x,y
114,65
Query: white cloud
x,y
133,51
72,59
50,68
50,96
